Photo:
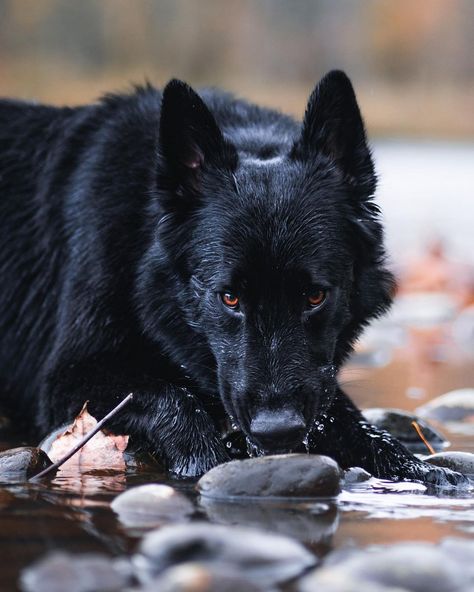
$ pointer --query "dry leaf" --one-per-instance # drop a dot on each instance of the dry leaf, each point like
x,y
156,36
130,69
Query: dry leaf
x,y
103,451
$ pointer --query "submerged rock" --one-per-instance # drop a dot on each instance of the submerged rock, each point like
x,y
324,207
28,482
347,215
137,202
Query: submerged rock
x,y
150,505
195,577
286,475
413,567
61,572
260,558
463,462
399,424
455,406
22,463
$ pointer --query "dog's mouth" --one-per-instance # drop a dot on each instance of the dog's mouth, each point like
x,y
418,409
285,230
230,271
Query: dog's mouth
x,y
283,429
269,432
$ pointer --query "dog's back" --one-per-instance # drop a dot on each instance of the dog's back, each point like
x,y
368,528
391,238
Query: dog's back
x,y
33,157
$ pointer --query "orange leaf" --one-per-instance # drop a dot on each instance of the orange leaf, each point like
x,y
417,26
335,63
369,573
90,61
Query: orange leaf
x,y
103,451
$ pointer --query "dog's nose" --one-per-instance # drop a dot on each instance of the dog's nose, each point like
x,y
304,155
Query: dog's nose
x,y
278,429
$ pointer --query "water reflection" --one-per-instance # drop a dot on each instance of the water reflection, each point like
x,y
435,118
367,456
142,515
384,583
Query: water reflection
x,y
311,523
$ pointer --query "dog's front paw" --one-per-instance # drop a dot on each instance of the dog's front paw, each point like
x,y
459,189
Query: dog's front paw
x,y
194,466
198,459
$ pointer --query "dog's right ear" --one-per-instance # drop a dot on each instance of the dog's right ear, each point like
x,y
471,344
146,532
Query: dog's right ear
x,y
189,135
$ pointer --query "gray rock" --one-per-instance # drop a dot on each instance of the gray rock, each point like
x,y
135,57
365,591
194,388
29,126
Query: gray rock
x,y
356,475
399,424
331,581
286,475
463,551
463,462
151,505
22,463
195,577
454,406
413,567
60,572
260,558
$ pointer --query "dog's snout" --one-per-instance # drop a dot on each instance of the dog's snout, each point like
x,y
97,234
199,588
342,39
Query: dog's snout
x,y
278,429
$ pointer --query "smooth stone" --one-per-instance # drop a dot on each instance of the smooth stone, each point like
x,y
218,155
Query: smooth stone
x,y
286,475
398,423
414,567
23,462
63,572
150,505
356,475
259,557
454,406
195,577
463,551
463,462
311,522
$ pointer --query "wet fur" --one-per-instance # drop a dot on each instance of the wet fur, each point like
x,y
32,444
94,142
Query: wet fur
x,y
120,221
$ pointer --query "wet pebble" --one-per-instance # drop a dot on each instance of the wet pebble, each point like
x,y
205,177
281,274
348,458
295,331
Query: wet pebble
x,y
463,462
410,567
23,462
195,577
61,572
455,406
260,558
286,475
150,505
355,475
399,424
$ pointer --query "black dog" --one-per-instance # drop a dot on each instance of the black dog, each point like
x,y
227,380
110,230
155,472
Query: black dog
x,y
214,258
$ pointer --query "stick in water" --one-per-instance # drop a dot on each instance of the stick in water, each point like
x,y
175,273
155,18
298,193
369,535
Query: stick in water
x,y
84,440
417,427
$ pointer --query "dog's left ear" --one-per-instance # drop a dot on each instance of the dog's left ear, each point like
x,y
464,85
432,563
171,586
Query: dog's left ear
x,y
333,125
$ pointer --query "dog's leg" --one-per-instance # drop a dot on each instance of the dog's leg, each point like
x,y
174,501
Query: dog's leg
x,y
167,418
344,434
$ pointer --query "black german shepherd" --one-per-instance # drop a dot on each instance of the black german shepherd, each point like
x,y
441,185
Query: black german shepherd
x,y
215,258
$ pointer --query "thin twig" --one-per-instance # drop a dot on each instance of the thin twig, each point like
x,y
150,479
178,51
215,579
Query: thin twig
x,y
84,440
417,427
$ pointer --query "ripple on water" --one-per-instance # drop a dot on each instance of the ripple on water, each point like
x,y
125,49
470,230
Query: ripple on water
x,y
381,499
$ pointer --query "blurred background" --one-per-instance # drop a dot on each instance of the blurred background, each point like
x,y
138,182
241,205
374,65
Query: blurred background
x,y
411,62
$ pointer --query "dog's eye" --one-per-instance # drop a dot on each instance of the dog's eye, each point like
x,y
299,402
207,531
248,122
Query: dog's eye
x,y
316,298
230,300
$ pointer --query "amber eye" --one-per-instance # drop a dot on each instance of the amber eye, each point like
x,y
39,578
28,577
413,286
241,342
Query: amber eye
x,y
316,298
230,300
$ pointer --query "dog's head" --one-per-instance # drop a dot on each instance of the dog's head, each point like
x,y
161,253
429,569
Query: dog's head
x,y
276,250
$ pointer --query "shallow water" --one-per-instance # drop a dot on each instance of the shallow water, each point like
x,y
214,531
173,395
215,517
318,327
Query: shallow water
x,y
72,513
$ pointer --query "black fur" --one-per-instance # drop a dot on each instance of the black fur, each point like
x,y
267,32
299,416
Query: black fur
x,y
122,225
